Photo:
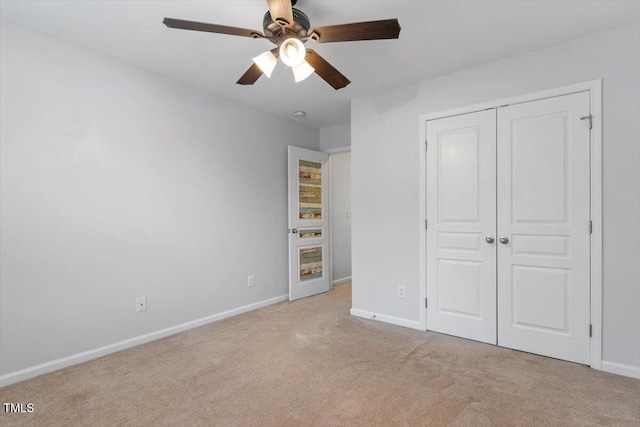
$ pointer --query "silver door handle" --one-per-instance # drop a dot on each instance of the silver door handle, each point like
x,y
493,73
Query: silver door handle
x,y
490,239
294,230
504,240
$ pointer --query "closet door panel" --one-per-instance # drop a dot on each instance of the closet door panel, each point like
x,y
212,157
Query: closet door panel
x,y
461,212
543,226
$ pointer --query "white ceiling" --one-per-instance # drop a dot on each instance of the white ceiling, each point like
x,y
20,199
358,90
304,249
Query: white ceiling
x,y
437,37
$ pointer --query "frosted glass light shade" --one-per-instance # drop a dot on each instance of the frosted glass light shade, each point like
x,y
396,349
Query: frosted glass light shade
x,y
267,62
292,52
302,71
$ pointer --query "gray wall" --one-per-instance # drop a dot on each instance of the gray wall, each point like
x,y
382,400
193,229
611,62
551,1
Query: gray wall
x,y
118,183
385,169
335,137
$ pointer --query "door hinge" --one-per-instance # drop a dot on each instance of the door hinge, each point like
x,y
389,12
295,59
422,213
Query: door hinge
x,y
590,330
590,227
426,144
425,303
426,224
590,117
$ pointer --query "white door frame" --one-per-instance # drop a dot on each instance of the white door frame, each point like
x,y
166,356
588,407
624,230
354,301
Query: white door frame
x,y
594,87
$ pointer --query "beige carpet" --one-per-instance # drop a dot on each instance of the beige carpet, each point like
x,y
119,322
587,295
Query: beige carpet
x,y
309,363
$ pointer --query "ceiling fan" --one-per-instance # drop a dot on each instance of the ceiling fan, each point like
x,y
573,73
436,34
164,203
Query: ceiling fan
x,y
289,29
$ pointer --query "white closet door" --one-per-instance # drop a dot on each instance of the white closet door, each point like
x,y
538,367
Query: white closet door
x,y
543,226
461,215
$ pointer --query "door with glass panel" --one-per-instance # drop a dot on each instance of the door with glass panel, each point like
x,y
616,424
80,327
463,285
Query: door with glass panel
x,y
309,257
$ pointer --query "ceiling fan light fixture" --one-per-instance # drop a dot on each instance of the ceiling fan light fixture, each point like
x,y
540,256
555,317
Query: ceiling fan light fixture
x,y
302,71
267,62
292,52
289,28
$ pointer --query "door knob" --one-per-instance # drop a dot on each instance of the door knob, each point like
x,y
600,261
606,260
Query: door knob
x,y
490,239
294,230
504,240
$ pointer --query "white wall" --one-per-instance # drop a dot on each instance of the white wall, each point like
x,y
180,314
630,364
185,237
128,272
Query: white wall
x,y
340,184
118,183
335,137
385,150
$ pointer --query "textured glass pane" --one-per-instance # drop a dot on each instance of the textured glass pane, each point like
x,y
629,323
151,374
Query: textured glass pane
x,y
310,263
311,234
309,190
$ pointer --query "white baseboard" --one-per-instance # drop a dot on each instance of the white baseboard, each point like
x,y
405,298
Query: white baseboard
x,y
54,365
341,281
386,319
621,369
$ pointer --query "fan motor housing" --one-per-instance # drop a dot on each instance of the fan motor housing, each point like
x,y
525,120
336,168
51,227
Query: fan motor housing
x,y
299,29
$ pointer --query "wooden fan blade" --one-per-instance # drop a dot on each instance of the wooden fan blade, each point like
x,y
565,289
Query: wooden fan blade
x,y
211,28
250,76
325,70
254,72
372,30
281,12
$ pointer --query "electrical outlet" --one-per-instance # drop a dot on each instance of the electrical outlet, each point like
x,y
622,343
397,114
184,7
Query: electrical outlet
x,y
141,304
402,291
251,280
